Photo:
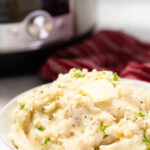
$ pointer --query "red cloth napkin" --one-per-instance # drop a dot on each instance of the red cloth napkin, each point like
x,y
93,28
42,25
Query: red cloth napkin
x,y
110,50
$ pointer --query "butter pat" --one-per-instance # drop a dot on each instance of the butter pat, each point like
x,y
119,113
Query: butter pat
x,y
100,90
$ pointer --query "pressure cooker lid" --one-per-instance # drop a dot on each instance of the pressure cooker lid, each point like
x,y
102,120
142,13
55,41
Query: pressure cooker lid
x,y
16,10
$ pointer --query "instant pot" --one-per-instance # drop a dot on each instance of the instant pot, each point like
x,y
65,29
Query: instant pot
x,y
29,28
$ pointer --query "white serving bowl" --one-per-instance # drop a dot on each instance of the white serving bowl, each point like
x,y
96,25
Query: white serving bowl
x,y
6,121
6,115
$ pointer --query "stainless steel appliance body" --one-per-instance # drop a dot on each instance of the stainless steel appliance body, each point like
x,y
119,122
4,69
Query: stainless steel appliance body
x,y
31,24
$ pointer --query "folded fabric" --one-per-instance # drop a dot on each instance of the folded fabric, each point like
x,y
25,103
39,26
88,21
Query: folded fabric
x,y
110,50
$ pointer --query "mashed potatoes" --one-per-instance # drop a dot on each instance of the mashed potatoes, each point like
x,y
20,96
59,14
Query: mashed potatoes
x,y
83,110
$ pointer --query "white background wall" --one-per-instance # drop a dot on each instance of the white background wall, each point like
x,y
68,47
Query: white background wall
x,y
132,16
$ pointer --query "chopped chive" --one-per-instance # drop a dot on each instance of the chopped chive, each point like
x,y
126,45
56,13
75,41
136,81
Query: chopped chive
x,y
116,78
135,118
13,142
41,128
105,136
82,131
74,70
22,106
47,140
103,71
104,127
58,98
114,85
79,75
141,102
141,114
145,138
91,118
96,148
73,125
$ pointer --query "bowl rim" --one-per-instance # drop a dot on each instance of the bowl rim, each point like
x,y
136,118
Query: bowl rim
x,y
4,141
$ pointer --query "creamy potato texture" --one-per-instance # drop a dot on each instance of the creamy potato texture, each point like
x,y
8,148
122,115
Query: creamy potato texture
x,y
83,110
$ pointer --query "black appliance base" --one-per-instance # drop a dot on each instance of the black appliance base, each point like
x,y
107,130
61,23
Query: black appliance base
x,y
31,61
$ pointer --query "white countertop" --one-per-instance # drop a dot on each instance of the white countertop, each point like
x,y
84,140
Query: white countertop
x,y
12,86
